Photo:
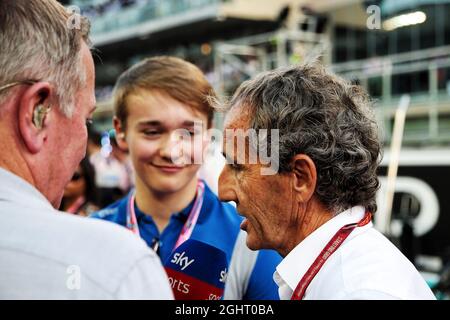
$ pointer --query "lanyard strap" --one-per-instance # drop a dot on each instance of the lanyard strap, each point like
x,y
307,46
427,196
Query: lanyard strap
x,y
76,205
131,215
189,225
191,221
329,249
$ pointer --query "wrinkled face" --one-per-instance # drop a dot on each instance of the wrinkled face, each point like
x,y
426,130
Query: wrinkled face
x,y
68,136
165,139
266,201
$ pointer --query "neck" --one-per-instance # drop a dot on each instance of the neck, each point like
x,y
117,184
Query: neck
x,y
18,159
13,161
310,217
25,165
159,205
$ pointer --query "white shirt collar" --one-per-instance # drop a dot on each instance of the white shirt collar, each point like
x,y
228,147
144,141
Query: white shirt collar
x,y
292,268
15,189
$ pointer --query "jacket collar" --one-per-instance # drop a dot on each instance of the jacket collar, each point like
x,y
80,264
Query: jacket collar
x,y
16,190
294,266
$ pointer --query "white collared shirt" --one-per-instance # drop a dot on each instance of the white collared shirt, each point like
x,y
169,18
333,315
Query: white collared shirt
x,y
47,254
366,266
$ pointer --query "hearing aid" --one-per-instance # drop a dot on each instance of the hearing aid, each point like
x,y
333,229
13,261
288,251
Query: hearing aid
x,y
39,114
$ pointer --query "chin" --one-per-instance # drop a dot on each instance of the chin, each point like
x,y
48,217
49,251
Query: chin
x,y
169,185
252,244
162,187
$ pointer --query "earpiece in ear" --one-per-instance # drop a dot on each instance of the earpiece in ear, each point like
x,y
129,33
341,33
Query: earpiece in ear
x,y
120,135
39,114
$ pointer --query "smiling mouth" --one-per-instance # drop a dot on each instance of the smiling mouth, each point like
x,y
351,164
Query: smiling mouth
x,y
169,169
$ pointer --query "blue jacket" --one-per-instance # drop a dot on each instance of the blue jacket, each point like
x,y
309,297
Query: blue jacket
x,y
250,273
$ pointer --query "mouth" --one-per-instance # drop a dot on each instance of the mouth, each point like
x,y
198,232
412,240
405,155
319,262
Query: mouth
x,y
244,225
168,168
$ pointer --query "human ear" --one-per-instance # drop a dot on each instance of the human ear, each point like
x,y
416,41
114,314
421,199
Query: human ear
x,y
33,115
304,177
120,134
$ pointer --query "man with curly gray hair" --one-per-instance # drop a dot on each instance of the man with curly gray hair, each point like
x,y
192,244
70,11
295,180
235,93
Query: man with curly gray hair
x,y
316,210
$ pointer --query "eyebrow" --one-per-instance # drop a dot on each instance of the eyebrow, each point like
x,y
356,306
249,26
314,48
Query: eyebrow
x,y
189,123
150,123
155,123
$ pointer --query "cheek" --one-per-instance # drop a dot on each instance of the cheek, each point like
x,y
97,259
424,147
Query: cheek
x,y
191,151
83,140
204,149
75,186
200,151
192,170
142,150
75,142
265,204
70,187
84,137
78,131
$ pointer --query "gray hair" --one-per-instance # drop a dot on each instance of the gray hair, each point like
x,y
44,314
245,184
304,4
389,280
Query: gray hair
x,y
38,43
328,119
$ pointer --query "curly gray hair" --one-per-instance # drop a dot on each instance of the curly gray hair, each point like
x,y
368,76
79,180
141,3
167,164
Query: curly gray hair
x,y
320,115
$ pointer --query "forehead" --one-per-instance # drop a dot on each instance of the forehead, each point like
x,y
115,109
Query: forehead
x,y
87,92
155,105
88,61
238,117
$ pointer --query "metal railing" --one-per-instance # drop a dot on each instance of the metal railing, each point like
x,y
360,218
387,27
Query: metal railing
x,y
428,118
147,17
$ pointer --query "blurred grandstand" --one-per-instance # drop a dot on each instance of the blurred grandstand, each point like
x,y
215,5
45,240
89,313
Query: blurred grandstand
x,y
406,52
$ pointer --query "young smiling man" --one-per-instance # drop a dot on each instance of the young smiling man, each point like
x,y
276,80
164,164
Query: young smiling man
x,y
155,100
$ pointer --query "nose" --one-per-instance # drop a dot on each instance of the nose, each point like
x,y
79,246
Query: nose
x,y
227,185
170,148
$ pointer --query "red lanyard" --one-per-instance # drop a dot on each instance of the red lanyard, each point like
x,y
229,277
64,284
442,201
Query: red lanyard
x,y
189,225
329,249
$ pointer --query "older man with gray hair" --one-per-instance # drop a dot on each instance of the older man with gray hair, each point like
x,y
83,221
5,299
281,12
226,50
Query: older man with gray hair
x,y
316,210
46,99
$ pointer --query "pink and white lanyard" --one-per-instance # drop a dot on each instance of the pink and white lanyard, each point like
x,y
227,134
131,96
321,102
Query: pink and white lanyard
x,y
189,225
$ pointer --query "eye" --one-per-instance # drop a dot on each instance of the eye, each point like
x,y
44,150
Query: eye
x,y
151,133
236,167
191,133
